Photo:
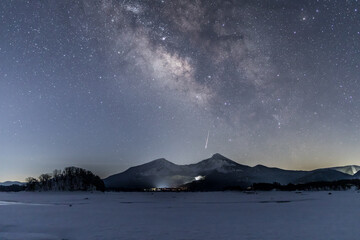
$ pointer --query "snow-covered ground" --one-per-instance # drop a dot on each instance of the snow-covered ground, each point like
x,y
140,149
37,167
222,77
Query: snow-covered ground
x,y
203,216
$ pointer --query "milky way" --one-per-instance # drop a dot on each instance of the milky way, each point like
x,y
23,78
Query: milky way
x,y
110,84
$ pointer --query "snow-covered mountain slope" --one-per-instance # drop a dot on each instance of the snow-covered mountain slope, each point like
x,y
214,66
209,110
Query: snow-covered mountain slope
x,y
357,175
157,173
351,169
159,167
217,172
219,163
162,173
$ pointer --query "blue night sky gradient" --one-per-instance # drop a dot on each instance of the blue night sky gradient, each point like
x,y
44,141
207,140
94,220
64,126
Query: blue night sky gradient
x,y
106,85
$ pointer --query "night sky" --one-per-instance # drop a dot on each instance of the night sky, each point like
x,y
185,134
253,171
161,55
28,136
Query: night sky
x,y
106,85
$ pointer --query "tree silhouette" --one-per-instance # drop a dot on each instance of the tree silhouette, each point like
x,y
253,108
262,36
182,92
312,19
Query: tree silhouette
x,y
70,179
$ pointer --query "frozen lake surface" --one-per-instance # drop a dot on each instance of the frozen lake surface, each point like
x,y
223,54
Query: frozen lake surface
x,y
203,216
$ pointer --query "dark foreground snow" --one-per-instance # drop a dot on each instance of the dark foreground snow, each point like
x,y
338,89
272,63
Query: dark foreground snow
x,y
203,216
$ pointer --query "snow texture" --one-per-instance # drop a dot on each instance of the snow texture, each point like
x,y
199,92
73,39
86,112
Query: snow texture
x,y
201,215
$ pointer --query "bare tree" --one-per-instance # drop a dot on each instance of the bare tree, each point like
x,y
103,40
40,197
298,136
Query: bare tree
x,y
45,181
31,183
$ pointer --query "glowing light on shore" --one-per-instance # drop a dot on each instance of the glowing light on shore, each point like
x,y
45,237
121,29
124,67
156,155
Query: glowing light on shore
x,y
198,178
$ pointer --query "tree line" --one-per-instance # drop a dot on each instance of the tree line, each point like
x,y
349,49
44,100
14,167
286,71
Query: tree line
x,y
312,186
69,179
12,188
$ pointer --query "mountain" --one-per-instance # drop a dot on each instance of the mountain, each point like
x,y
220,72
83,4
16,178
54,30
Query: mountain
x,y
323,175
219,163
9,183
217,173
351,169
162,173
264,174
158,173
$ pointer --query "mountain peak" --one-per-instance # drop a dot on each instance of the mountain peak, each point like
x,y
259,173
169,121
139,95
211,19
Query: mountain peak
x,y
261,166
160,161
219,163
218,156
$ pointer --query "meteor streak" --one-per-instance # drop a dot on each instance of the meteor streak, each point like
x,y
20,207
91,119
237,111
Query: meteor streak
x,y
207,140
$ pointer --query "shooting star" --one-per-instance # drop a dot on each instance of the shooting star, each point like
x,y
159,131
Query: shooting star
x,y
207,140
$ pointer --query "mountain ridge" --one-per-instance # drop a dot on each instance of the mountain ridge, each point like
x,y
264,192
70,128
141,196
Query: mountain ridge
x,y
219,172
9,183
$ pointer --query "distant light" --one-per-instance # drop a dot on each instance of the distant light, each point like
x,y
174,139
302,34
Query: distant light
x,y
198,178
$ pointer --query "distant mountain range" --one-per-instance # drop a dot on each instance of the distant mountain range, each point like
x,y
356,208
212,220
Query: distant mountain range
x,y
9,183
218,172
